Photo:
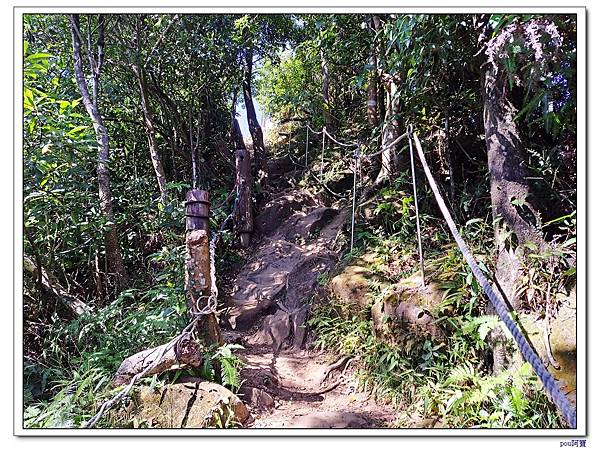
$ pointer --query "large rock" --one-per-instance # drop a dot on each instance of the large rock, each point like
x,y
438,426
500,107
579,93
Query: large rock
x,y
342,182
192,404
283,274
563,342
351,288
279,209
302,226
278,167
262,286
407,311
272,293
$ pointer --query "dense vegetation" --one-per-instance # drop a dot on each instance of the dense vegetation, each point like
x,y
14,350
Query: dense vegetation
x,y
492,97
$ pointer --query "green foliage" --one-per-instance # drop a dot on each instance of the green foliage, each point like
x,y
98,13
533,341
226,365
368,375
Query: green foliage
x,y
230,365
192,64
449,379
289,88
506,400
72,403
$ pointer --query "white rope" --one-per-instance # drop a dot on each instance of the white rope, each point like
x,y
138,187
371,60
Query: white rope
x,y
388,146
315,132
351,144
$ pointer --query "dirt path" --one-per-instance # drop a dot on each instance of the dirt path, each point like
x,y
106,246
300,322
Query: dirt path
x,y
297,242
292,378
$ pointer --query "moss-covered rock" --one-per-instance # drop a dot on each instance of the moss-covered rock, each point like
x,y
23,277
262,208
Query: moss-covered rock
x,y
194,403
352,287
563,341
407,310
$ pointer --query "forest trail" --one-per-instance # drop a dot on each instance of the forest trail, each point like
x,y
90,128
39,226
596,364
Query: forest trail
x,y
297,242
292,379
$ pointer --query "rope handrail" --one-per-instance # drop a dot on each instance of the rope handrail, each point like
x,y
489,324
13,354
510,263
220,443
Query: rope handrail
x,y
324,131
387,147
310,128
548,381
357,159
312,174
351,144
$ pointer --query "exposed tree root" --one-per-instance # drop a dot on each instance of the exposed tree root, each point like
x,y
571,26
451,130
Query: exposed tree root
x,y
336,365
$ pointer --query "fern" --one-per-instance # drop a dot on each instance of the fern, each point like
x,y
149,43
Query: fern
x,y
460,374
230,365
229,374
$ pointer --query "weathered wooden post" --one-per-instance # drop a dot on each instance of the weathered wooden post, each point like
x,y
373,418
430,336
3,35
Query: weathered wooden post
x,y
243,181
197,275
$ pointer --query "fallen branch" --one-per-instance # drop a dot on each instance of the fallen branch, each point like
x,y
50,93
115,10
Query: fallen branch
x,y
161,350
159,359
51,286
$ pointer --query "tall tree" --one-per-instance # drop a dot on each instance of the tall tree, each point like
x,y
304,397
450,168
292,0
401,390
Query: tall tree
x,y
151,133
253,125
259,38
509,189
96,59
517,221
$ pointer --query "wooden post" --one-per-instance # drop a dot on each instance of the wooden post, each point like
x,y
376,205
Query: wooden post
x,y
197,275
243,180
197,210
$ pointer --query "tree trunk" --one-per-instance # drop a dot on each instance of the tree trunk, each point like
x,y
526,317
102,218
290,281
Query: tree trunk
x,y
151,134
236,135
508,192
325,92
253,125
391,131
508,187
244,217
372,116
113,252
186,353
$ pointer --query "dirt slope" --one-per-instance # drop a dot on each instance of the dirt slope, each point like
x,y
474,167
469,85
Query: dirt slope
x,y
297,242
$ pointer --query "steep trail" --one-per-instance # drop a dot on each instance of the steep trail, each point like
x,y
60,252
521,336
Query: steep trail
x,y
297,242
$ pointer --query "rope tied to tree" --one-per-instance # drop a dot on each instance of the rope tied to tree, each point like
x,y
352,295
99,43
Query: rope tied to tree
x,y
548,381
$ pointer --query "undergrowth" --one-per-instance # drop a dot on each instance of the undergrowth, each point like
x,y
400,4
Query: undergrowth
x,y
450,380
73,376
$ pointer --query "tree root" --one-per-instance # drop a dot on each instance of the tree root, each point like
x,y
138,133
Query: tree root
x,y
336,365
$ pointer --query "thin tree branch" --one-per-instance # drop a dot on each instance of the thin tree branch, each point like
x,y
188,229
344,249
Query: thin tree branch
x,y
160,39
